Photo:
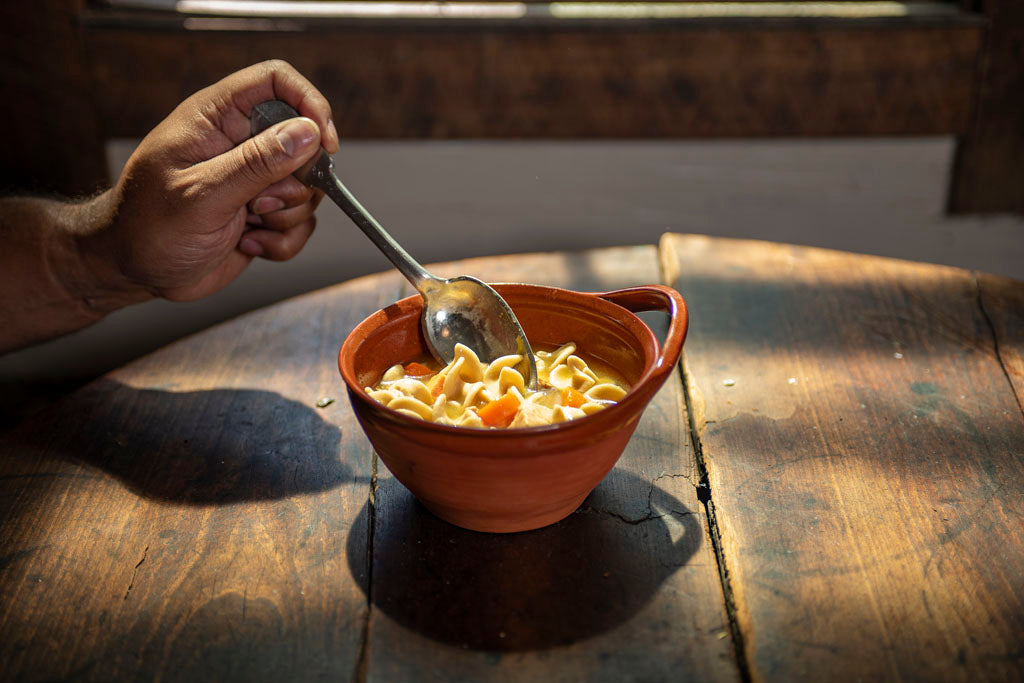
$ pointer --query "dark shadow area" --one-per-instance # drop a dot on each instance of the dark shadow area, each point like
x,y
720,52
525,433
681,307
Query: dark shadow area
x,y
21,399
534,590
200,447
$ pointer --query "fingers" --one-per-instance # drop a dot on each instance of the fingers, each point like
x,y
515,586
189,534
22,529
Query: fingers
x,y
275,245
236,176
284,206
282,220
284,194
270,80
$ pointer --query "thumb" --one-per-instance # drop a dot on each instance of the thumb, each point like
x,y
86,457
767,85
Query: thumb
x,y
261,161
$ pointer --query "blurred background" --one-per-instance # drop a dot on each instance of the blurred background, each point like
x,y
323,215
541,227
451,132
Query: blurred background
x,y
477,128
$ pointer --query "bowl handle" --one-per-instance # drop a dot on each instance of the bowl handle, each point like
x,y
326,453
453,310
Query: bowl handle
x,y
657,298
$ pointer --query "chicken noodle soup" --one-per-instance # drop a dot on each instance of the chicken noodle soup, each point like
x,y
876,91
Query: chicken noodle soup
x,y
469,393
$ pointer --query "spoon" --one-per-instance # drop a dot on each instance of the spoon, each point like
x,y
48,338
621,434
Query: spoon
x,y
456,310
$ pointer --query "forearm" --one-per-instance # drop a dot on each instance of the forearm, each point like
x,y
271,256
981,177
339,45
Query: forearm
x,y
55,277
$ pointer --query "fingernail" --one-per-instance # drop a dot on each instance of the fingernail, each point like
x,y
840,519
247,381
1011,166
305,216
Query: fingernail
x,y
250,247
332,132
267,204
297,135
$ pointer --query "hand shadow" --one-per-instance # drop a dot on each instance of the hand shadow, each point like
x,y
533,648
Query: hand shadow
x,y
198,447
526,591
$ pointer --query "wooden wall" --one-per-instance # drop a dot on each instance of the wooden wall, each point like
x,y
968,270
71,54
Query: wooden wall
x,y
118,72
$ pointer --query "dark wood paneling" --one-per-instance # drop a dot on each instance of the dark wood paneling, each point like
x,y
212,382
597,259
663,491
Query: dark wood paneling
x,y
610,80
50,113
988,175
863,448
116,73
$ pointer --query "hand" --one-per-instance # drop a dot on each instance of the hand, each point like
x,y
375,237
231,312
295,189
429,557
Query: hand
x,y
199,198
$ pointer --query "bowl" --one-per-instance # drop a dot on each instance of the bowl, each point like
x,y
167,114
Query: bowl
x,y
506,480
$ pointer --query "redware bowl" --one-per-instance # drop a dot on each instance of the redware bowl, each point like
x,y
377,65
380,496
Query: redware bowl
x,y
504,480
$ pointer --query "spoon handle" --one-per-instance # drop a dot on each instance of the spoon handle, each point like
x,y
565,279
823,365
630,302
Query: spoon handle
x,y
323,177
318,173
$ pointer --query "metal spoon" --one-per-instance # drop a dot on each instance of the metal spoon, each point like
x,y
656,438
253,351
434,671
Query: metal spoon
x,y
460,309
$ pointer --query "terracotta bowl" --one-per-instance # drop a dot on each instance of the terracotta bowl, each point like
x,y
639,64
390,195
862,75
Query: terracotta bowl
x,y
516,479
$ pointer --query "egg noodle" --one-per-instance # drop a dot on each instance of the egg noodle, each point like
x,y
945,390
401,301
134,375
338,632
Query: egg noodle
x,y
469,393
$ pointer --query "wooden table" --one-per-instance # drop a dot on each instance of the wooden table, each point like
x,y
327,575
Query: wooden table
x,y
832,487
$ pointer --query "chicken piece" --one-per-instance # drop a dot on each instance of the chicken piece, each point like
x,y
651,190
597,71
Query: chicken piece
x,y
531,415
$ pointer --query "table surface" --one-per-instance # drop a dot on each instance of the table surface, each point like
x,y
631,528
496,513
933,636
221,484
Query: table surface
x,y
833,484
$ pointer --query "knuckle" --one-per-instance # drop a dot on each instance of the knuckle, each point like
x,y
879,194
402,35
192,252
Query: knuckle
x,y
277,252
186,188
293,193
277,64
256,162
295,240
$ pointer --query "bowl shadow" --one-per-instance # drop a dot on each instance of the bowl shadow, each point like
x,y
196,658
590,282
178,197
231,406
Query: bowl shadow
x,y
532,590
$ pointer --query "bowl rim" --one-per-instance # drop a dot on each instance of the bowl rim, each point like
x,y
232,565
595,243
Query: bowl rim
x,y
610,413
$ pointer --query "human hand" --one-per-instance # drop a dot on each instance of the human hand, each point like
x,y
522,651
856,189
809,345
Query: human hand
x,y
199,198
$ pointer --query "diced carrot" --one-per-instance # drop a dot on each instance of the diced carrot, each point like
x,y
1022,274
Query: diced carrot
x,y
500,412
415,369
572,398
438,386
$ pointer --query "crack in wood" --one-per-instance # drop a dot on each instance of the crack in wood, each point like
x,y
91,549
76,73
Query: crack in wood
x,y
362,663
995,340
135,572
650,516
704,495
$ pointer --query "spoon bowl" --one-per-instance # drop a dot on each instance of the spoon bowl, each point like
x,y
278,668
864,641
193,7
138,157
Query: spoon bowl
x,y
457,310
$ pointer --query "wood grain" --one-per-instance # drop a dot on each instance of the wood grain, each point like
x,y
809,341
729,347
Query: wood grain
x,y
1001,300
626,588
863,444
188,516
195,516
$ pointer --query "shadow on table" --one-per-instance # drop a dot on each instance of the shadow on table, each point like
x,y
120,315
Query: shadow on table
x,y
532,590
197,447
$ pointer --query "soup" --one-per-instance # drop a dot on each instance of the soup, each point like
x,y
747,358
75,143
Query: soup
x,y
470,393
